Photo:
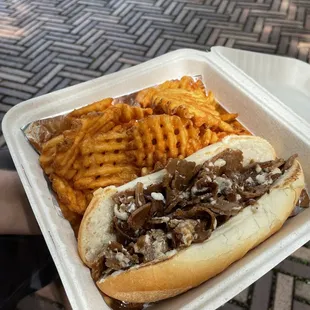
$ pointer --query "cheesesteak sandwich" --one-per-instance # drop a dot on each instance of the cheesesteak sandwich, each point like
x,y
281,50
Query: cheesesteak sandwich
x,y
165,233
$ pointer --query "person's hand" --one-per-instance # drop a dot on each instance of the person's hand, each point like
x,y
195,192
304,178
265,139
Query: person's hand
x,y
16,214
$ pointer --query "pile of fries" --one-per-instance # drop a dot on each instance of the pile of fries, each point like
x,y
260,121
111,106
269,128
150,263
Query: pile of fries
x,y
110,144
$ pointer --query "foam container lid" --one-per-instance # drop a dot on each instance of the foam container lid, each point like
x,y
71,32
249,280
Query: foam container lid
x,y
288,79
260,111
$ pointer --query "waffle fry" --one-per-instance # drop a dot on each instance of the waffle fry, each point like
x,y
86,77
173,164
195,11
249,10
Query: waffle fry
x,y
187,99
228,117
105,176
160,137
190,105
208,137
99,106
104,142
75,200
144,97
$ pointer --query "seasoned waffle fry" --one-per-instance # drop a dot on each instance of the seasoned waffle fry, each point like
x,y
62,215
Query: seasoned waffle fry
x,y
144,97
99,106
104,142
108,175
189,105
208,137
228,117
195,104
159,137
73,199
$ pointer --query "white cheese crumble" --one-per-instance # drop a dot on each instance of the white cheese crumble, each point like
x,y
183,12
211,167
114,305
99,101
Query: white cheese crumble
x,y
158,248
209,178
275,171
238,197
160,219
121,215
171,253
184,195
236,208
212,201
194,190
261,178
158,196
249,180
169,236
215,223
131,207
223,184
123,260
258,168
147,239
220,162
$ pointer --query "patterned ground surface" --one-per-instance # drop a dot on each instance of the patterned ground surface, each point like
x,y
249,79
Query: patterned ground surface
x,y
49,44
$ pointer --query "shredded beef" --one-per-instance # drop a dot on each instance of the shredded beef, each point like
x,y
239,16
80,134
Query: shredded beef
x,y
190,202
98,267
288,164
302,203
175,182
303,200
123,230
124,197
140,216
157,208
233,162
183,232
270,165
140,200
117,257
152,245
254,192
157,188
196,212
224,207
180,173
202,233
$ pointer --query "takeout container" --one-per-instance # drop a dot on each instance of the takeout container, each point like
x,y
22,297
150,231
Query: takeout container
x,y
261,112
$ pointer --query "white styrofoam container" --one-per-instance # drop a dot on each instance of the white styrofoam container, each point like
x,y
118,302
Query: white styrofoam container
x,y
259,111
